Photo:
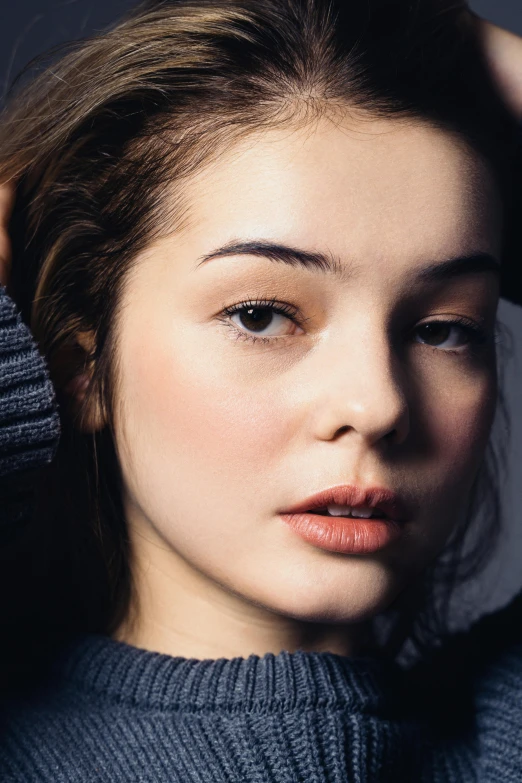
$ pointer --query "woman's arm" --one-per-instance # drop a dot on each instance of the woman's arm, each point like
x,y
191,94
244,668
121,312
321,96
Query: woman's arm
x,y
29,422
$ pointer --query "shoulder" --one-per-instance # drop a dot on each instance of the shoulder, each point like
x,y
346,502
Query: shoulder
x,y
497,688
490,651
51,728
55,733
37,733
471,690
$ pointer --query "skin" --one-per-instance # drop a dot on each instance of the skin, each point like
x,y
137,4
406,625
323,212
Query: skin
x,y
6,203
503,51
216,435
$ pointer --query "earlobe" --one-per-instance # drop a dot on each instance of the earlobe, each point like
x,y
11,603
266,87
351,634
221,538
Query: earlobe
x,y
86,341
85,412
77,387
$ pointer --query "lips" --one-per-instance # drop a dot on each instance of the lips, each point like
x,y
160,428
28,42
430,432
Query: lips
x,y
380,499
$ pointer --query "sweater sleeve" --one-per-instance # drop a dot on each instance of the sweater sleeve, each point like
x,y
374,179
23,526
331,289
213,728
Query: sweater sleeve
x,y
478,673
29,420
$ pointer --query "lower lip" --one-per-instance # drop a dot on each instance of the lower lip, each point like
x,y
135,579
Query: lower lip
x,y
344,534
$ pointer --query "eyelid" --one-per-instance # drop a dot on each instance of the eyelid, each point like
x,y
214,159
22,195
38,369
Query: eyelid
x,y
287,310
479,336
476,330
285,307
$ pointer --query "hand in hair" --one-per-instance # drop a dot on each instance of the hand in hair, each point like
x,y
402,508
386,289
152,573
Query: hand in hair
x,y
503,51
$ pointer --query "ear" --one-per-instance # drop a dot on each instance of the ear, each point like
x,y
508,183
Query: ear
x,y
83,408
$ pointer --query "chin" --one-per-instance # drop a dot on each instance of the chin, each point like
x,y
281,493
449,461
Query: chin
x,y
363,593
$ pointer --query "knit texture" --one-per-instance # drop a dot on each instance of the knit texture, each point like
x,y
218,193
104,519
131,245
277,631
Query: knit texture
x,y
108,711
29,421
117,713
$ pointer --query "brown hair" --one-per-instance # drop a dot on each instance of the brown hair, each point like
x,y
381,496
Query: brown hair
x,y
98,140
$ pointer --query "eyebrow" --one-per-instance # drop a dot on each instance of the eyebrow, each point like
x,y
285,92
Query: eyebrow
x,y
329,264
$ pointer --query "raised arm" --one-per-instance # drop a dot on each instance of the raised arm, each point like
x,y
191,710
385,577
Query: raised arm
x,y
29,422
504,53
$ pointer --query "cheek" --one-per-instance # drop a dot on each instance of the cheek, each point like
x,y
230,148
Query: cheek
x,y
187,414
461,422
452,429
461,416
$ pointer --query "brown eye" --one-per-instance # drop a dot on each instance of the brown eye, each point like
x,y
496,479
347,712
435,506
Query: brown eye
x,y
460,333
256,318
267,319
264,321
435,332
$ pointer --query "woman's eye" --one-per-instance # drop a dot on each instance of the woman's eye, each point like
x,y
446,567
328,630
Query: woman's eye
x,y
265,321
457,333
262,320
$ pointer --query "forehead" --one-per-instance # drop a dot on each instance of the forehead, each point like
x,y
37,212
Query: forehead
x,y
361,189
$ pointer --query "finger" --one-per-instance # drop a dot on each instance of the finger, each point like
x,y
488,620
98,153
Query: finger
x,y
7,193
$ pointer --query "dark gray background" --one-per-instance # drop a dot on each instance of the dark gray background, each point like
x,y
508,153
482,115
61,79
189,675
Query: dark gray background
x,y
29,27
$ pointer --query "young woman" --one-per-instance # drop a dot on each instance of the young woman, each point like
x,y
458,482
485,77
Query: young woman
x,y
260,246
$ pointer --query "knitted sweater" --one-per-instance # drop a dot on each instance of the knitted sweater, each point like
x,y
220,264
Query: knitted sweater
x,y
107,711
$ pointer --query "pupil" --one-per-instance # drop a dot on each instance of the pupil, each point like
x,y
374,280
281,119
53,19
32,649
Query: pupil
x,y
259,317
437,328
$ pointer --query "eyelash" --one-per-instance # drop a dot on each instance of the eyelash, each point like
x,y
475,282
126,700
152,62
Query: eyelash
x,y
478,336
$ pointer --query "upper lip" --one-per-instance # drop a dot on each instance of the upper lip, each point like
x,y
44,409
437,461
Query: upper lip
x,y
378,498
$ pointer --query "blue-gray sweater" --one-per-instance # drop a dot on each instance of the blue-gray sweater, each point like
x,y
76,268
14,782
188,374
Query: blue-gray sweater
x,y
108,711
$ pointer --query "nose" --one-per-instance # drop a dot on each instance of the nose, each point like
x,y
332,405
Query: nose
x,y
360,389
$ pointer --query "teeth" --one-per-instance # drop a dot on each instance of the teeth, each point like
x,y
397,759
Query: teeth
x,y
363,511
346,511
339,511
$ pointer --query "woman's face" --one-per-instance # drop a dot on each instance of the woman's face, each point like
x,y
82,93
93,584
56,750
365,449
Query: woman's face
x,y
217,433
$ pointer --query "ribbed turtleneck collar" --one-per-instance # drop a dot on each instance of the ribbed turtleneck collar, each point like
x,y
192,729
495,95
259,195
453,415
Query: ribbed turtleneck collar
x,y
289,680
